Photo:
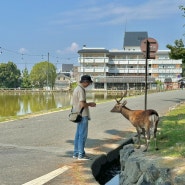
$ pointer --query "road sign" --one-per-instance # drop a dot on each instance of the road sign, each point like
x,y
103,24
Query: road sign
x,y
149,47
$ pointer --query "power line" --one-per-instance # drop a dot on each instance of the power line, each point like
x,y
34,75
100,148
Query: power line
x,y
25,62
18,53
34,55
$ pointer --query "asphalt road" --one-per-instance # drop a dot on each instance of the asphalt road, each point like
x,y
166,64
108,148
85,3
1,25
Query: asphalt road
x,y
30,148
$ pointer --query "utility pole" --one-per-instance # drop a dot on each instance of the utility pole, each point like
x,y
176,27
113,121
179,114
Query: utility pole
x,y
48,73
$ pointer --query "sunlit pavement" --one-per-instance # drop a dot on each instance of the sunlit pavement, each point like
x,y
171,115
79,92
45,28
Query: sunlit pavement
x,y
31,148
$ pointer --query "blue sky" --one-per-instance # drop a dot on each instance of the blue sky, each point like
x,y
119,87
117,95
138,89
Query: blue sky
x,y
30,29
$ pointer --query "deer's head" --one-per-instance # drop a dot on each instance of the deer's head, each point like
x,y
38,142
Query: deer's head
x,y
118,106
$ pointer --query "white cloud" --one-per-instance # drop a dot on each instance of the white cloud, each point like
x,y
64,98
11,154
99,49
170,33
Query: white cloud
x,y
59,51
73,48
117,12
23,50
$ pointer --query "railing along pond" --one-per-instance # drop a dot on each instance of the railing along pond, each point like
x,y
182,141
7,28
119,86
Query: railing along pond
x,y
16,102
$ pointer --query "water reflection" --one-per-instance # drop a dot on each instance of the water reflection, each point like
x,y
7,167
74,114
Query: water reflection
x,y
17,103
9,105
20,103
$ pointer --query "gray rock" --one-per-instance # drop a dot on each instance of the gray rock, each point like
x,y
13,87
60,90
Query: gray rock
x,y
139,169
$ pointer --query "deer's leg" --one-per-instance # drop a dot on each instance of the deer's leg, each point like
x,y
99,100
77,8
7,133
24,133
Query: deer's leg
x,y
147,139
139,136
144,134
155,138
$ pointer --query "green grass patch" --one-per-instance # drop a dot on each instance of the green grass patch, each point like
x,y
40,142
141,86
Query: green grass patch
x,y
171,133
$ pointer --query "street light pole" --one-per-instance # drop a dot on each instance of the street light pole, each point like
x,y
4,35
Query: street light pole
x,y
48,72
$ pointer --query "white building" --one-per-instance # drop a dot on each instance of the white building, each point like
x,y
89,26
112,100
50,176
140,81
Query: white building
x,y
123,69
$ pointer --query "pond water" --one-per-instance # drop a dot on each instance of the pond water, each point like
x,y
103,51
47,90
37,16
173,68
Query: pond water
x,y
113,181
17,103
109,173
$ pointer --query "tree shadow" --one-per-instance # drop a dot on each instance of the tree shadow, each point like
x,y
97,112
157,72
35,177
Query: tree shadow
x,y
97,146
176,100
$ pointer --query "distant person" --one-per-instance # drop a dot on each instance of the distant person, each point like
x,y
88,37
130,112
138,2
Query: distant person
x,y
79,101
182,85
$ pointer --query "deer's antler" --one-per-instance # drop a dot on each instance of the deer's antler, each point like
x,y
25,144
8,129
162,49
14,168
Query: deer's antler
x,y
124,103
124,94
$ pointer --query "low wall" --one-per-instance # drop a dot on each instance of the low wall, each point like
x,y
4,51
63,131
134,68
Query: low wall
x,y
141,168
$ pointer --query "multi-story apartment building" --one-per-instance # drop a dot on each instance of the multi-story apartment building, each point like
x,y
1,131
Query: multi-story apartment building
x,y
125,69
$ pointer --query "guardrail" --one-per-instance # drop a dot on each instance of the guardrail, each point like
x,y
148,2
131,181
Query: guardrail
x,y
31,90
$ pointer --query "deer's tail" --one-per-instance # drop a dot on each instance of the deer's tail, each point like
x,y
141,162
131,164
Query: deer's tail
x,y
154,119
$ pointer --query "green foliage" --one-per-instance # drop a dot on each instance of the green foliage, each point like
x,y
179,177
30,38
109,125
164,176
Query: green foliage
x,y
171,138
43,74
178,52
26,82
183,9
9,75
73,85
158,82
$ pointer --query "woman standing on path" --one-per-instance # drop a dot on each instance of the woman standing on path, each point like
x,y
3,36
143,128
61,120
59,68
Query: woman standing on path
x,y
79,102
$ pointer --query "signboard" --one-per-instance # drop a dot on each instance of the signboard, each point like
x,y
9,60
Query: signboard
x,y
149,47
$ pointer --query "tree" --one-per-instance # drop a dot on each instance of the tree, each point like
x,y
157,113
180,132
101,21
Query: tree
x,y
178,52
183,9
9,75
43,74
26,82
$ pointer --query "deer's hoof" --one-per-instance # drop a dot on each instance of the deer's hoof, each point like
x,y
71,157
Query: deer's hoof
x,y
138,147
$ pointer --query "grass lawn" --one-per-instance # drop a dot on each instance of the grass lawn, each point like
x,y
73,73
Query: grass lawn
x,y
171,133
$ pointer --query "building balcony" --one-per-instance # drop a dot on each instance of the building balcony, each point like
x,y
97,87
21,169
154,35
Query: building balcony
x,y
126,62
126,70
165,61
97,60
116,61
153,70
122,79
93,69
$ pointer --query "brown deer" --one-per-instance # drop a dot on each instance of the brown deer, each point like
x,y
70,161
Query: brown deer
x,y
143,120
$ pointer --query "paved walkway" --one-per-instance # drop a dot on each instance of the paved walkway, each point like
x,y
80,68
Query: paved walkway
x,y
44,143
